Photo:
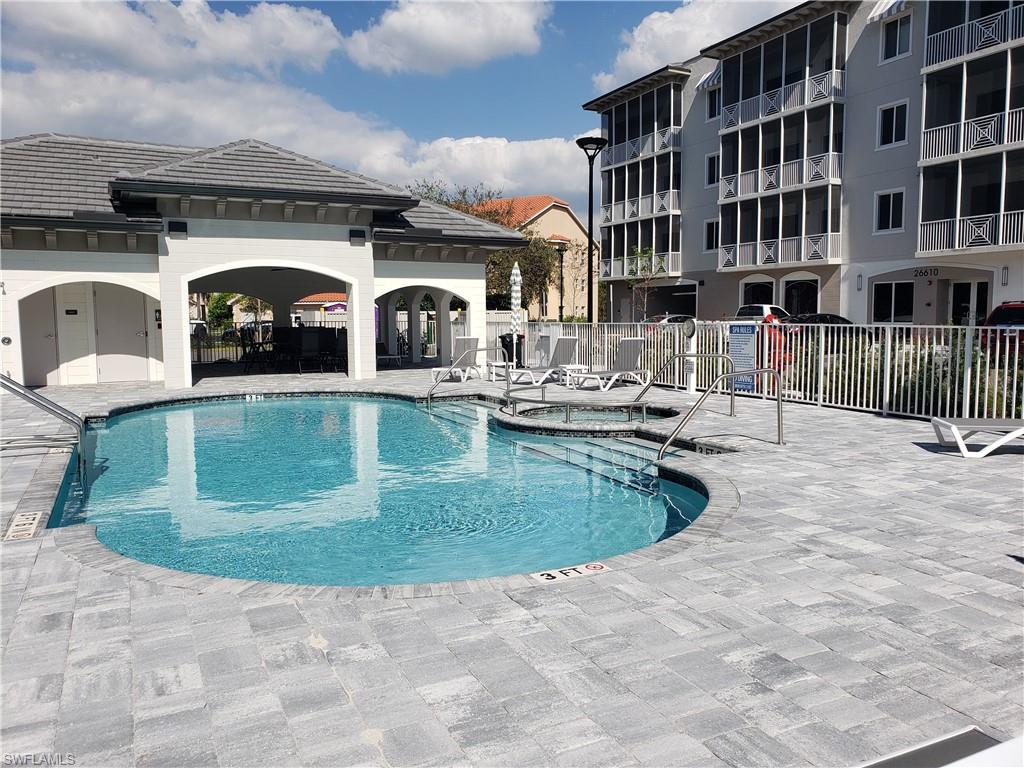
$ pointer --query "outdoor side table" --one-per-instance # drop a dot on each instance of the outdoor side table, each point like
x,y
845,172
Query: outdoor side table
x,y
493,366
565,370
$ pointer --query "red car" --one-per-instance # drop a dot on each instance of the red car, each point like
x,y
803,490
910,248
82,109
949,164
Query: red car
x,y
1004,327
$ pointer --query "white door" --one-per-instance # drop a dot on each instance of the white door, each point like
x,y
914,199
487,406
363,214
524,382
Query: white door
x,y
39,339
121,349
75,333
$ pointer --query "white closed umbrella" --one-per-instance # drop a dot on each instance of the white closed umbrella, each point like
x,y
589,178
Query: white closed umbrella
x,y
516,284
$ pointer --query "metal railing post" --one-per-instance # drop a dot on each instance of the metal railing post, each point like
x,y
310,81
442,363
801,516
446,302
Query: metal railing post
x,y
967,411
821,365
887,382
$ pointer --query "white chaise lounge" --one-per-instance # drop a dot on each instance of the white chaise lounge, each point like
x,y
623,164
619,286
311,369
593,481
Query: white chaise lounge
x,y
464,354
1002,430
625,365
564,353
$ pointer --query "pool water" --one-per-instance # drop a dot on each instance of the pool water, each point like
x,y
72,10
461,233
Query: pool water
x,y
358,491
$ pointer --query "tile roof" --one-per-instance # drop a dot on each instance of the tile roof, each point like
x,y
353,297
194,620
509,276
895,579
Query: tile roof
x,y
523,209
53,175
323,298
256,165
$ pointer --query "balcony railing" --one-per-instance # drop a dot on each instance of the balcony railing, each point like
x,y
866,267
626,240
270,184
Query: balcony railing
x,y
824,168
788,250
666,263
977,35
645,146
976,133
827,85
972,232
636,207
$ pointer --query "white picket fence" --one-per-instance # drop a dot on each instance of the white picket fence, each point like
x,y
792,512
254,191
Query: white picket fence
x,y
906,370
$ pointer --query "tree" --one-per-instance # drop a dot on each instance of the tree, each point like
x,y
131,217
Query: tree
x,y
538,260
641,275
218,311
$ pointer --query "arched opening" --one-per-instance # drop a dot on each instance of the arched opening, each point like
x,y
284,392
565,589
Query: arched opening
x,y
268,319
800,291
757,289
416,326
90,333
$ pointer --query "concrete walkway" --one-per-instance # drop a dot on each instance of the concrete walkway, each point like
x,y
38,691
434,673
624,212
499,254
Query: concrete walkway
x,y
863,597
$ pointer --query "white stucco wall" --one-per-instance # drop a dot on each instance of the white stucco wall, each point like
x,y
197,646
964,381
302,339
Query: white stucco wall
x,y
215,245
25,272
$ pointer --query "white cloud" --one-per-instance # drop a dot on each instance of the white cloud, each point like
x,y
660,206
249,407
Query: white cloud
x,y
167,38
437,37
93,81
664,37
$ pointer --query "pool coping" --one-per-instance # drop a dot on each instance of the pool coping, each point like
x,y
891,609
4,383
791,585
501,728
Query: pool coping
x,y
80,543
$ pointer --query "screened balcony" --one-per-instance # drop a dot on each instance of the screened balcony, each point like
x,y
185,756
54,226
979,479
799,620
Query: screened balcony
x,y
643,126
958,29
986,213
792,228
975,106
644,247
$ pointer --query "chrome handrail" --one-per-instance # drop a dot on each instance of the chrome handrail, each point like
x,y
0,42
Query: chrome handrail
x,y
700,401
52,408
474,352
677,356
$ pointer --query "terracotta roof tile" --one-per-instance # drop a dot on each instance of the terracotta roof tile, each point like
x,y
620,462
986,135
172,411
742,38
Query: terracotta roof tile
x,y
522,208
323,298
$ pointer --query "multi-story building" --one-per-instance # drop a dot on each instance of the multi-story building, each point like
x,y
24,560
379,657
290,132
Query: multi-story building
x,y
870,160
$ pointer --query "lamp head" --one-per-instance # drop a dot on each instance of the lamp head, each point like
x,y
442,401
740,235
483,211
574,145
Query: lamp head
x,y
591,145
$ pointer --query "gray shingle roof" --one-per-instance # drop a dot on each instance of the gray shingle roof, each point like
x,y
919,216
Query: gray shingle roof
x,y
56,175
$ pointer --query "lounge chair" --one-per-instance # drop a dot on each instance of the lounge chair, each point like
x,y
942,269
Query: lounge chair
x,y
384,357
964,429
464,352
626,365
564,353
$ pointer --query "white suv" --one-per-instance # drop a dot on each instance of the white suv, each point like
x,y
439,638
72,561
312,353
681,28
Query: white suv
x,y
760,312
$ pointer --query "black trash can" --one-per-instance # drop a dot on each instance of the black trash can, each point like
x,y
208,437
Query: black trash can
x,y
506,344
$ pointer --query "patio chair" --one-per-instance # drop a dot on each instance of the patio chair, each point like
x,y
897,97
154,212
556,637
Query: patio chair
x,y
626,365
564,353
336,349
309,349
464,351
964,429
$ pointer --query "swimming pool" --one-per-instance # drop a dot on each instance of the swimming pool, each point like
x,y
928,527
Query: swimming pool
x,y
363,491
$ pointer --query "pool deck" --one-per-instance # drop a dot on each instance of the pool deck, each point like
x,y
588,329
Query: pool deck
x,y
862,597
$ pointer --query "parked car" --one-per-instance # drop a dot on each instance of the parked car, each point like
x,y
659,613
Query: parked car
x,y
666,319
1008,321
759,312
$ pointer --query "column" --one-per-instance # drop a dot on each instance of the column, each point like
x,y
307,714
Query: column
x,y
174,313
442,302
362,346
413,299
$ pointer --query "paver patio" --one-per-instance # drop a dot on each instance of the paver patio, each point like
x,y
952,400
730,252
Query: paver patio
x,y
860,599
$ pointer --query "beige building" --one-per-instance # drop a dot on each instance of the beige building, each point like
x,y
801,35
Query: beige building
x,y
553,219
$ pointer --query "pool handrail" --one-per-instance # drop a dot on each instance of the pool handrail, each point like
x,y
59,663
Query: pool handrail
x,y
54,409
707,392
455,364
679,355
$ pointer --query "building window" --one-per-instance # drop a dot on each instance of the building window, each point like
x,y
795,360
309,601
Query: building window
x,y
713,99
892,125
896,38
893,302
711,235
711,170
889,211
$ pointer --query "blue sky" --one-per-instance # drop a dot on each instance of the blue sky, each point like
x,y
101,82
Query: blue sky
x,y
469,91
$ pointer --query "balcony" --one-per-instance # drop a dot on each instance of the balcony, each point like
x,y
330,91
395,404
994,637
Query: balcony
x,y
665,264
819,88
638,207
645,146
789,250
990,229
826,168
974,36
974,134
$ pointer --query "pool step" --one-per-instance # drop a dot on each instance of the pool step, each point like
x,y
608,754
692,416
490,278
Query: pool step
x,y
618,475
456,416
650,450
607,455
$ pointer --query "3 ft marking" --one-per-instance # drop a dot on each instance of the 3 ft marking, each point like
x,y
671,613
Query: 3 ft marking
x,y
588,569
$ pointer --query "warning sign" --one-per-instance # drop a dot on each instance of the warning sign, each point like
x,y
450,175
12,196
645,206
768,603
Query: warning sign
x,y
560,574
743,351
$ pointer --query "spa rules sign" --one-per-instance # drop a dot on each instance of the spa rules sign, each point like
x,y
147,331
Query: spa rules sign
x,y
743,352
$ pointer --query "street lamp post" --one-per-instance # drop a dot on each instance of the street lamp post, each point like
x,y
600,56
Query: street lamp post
x,y
591,146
